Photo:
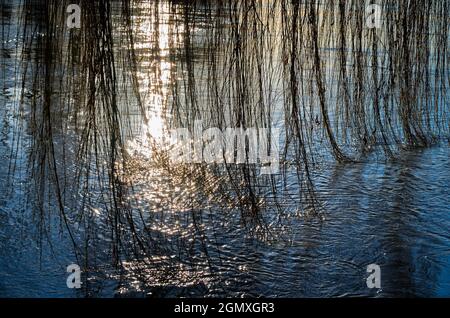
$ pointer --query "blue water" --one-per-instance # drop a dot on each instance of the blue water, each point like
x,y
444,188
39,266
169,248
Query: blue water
x,y
395,214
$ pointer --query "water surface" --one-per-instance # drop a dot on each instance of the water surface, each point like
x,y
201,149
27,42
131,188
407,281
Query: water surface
x,y
390,212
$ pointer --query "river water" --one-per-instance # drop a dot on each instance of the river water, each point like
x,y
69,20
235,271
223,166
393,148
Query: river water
x,y
393,213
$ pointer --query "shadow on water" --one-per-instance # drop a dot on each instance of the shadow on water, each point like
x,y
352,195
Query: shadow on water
x,y
364,153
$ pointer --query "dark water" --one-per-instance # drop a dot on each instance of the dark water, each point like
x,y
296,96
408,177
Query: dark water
x,y
391,213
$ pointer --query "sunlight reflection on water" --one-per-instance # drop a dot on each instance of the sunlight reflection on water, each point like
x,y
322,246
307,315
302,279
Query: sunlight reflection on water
x,y
391,213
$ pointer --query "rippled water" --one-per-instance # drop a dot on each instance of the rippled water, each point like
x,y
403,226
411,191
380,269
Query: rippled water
x,y
391,213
